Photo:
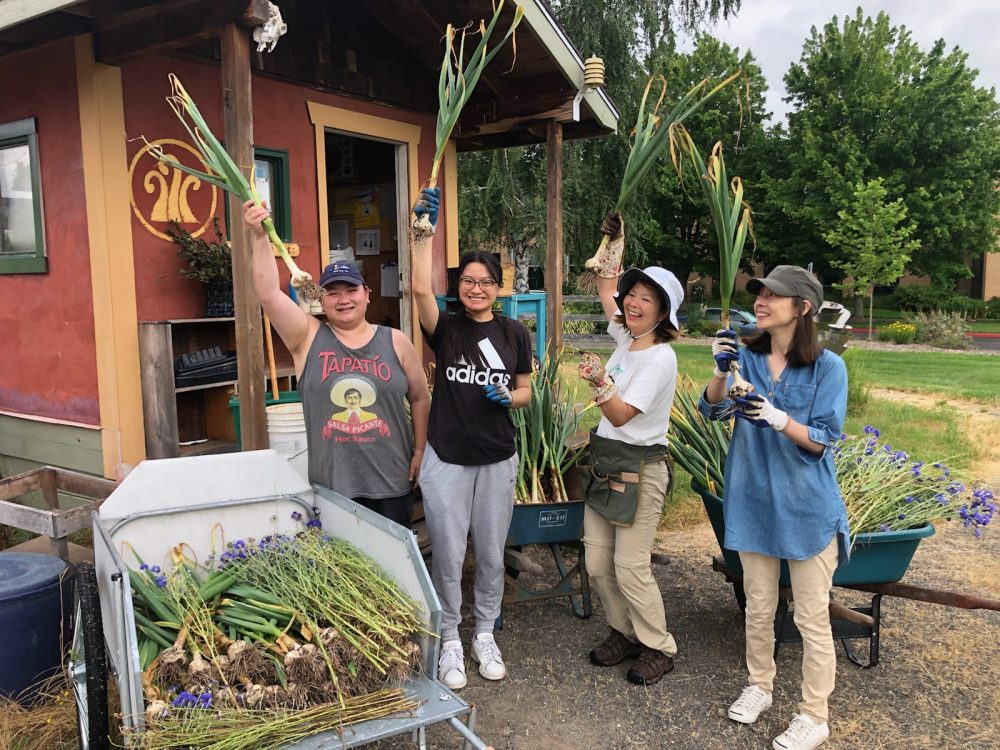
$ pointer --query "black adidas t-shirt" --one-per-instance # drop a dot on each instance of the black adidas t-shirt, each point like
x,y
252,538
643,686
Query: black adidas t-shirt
x,y
465,427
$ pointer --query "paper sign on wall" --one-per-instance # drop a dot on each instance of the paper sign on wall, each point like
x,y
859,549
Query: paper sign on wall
x,y
390,279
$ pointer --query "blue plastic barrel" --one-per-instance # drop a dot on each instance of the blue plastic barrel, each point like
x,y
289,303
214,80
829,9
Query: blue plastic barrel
x,y
34,606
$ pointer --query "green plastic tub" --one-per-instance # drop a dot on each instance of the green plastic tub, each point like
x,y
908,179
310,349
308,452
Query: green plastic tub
x,y
284,397
879,557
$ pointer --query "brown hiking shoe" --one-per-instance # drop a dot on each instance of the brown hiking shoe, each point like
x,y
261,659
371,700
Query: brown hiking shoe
x,y
652,665
615,649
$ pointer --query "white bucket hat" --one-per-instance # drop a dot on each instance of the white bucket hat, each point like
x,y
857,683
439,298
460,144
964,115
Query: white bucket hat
x,y
658,278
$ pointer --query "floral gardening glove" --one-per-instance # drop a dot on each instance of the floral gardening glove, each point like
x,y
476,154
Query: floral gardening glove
x,y
607,261
592,371
724,351
499,394
760,412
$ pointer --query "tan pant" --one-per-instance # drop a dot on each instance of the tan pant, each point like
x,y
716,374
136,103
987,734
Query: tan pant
x,y
811,582
619,568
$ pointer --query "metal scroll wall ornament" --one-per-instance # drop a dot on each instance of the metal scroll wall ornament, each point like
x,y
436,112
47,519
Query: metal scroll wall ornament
x,y
160,193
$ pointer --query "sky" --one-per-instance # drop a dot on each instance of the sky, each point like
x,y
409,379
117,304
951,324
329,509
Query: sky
x,y
774,30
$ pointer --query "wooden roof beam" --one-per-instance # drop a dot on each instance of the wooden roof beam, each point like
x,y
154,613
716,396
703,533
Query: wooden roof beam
x,y
164,26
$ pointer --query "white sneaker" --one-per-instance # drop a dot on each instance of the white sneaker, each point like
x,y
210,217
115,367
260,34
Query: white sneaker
x,y
451,665
802,734
753,701
487,653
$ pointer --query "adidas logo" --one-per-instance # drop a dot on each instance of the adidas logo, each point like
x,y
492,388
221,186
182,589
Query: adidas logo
x,y
476,376
494,374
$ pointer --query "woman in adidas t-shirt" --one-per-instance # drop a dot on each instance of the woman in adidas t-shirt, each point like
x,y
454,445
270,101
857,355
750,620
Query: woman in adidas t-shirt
x,y
482,370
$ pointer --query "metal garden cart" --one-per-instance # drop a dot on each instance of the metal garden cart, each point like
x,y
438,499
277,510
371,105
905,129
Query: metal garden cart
x,y
252,494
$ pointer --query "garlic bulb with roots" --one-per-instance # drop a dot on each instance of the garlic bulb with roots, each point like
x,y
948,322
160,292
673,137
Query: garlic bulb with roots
x,y
740,388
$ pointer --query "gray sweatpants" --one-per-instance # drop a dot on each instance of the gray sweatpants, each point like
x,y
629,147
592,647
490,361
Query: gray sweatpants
x,y
458,499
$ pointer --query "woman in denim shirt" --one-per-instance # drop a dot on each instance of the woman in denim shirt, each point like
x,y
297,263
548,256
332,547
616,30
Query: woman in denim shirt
x,y
781,494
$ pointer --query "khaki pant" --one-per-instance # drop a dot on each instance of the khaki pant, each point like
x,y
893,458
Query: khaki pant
x,y
619,568
811,583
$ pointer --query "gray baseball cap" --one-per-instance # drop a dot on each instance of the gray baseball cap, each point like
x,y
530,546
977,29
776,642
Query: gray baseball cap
x,y
790,281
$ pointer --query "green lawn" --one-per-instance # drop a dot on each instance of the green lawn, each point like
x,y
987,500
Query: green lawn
x,y
972,377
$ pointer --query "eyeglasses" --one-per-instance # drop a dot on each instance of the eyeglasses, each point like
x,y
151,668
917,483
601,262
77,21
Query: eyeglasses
x,y
487,285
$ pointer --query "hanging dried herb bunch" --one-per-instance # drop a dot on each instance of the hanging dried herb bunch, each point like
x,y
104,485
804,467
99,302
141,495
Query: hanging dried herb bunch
x,y
207,262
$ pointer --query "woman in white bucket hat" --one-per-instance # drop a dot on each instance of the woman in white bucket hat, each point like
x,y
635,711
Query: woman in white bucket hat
x,y
629,464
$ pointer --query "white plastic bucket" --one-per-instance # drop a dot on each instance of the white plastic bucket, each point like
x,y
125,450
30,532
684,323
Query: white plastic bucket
x,y
286,433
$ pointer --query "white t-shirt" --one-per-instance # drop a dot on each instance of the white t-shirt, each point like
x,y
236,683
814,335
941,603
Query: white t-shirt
x,y
646,380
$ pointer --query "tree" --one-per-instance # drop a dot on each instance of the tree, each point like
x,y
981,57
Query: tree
x,y
869,103
873,236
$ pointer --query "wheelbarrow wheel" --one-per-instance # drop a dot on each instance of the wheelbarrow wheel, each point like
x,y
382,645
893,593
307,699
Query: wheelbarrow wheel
x,y
88,662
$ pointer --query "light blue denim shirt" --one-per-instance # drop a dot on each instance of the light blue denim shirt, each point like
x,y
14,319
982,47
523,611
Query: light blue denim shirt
x,y
781,500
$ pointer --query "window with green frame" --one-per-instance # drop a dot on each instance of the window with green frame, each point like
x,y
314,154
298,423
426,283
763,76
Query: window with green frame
x,y
22,236
270,172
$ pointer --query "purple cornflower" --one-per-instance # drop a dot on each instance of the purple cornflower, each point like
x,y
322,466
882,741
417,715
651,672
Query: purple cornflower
x,y
161,581
314,524
184,699
296,516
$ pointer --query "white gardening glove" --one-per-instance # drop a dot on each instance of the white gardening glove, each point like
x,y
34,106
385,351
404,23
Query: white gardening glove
x,y
760,412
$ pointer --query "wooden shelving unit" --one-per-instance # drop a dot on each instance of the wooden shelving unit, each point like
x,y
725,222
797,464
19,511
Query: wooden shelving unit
x,y
195,419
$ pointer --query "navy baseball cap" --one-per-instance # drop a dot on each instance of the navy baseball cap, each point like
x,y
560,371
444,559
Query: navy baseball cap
x,y
342,270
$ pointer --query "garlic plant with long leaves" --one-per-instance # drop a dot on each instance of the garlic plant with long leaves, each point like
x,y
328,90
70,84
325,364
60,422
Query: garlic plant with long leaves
x,y
456,84
732,222
654,132
224,174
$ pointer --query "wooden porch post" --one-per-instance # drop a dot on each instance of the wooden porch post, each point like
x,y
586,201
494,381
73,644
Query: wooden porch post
x,y
554,234
238,125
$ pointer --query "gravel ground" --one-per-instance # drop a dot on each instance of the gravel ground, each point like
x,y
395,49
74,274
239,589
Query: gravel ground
x,y
936,685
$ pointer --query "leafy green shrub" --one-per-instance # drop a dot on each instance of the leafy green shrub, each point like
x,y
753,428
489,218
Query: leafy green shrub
x,y
884,335
898,332
993,308
921,298
943,329
971,308
743,300
707,327
927,298
857,384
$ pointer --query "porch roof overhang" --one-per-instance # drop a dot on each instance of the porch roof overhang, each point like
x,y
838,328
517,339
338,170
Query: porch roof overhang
x,y
516,96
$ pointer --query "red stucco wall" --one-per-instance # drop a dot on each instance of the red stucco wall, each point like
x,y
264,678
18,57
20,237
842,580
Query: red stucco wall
x,y
48,365
281,122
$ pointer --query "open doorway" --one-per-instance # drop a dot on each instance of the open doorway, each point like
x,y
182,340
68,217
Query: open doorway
x,y
363,186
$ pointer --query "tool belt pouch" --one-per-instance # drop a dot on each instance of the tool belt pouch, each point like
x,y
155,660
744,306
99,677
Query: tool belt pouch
x,y
610,475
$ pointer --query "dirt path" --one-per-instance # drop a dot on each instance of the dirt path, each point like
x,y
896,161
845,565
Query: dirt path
x,y
982,423
935,686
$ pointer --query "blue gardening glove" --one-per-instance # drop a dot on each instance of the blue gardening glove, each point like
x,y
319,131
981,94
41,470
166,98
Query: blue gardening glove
x,y
428,203
724,351
760,412
499,394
